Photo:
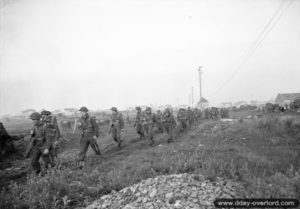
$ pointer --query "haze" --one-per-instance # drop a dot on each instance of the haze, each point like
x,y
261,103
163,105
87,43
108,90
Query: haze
x,y
69,53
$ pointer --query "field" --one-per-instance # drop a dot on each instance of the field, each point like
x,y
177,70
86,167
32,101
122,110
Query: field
x,y
262,154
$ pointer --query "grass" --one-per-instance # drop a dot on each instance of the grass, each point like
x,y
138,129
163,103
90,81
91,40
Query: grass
x,y
261,154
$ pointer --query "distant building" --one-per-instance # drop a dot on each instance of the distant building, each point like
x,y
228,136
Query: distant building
x,y
240,103
202,104
283,99
226,104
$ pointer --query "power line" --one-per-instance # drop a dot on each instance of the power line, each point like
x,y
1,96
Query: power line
x,y
274,24
261,37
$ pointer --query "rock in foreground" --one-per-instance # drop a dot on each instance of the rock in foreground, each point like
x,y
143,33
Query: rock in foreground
x,y
173,191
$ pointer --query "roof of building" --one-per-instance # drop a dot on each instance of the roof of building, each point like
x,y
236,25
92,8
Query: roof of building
x,y
203,100
288,96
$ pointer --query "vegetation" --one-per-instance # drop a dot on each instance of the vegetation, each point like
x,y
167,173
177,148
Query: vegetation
x,y
262,154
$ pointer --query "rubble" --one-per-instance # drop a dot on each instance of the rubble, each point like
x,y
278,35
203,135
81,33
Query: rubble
x,y
172,191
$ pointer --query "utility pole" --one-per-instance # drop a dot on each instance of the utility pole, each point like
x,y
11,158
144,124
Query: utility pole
x,y
200,72
192,96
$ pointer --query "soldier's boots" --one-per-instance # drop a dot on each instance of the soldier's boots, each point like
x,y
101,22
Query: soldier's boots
x,y
120,144
151,143
170,140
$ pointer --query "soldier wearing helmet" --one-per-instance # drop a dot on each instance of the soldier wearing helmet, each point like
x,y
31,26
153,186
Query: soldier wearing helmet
x,y
149,119
182,119
42,142
116,125
138,122
49,119
90,133
159,118
169,124
190,114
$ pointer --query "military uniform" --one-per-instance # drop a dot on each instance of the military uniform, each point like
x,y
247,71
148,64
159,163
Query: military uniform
x,y
159,120
169,123
47,118
43,136
138,122
149,120
182,119
117,124
191,116
90,130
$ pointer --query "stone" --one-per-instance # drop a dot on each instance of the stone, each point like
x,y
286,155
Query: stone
x,y
169,195
129,206
168,192
153,193
145,200
177,203
194,194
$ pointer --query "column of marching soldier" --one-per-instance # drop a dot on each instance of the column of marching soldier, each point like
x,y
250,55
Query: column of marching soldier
x,y
46,134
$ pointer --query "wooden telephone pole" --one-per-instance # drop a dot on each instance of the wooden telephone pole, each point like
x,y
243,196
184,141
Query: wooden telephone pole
x,y
200,72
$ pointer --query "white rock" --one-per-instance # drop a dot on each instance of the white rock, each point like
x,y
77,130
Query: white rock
x,y
169,195
153,193
129,206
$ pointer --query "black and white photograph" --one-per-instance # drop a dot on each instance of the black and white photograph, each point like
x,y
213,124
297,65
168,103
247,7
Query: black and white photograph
x,y
149,104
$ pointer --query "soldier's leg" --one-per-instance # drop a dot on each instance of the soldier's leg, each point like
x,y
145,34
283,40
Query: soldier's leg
x,y
181,125
114,134
150,133
142,130
145,128
95,146
170,133
47,160
51,158
161,128
35,156
84,145
119,140
139,130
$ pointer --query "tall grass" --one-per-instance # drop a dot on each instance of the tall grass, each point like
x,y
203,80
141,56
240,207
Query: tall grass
x,y
249,158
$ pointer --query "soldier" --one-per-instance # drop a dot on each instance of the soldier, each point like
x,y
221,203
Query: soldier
x,y
148,123
116,126
206,114
127,118
169,123
190,116
48,118
138,122
43,136
90,133
159,118
182,118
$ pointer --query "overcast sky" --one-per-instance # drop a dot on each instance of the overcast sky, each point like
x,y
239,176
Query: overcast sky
x,y
69,53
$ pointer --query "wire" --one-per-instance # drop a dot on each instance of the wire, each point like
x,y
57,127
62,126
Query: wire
x,y
261,37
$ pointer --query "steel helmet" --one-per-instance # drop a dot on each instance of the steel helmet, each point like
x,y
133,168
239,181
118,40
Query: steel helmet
x,y
83,109
114,109
138,108
45,112
35,116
